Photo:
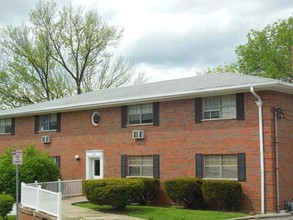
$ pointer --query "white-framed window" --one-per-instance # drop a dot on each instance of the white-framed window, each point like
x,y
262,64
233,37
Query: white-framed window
x,y
95,118
48,122
220,166
5,126
220,107
140,114
140,166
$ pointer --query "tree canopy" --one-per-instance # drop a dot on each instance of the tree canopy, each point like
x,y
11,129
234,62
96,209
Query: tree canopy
x,y
61,52
267,52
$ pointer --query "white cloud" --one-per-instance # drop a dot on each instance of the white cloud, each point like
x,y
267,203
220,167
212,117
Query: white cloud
x,y
170,38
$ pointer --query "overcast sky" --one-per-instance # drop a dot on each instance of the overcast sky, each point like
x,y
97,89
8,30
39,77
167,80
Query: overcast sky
x,y
173,38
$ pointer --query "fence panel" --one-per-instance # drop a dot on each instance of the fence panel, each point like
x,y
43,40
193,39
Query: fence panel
x,y
29,196
71,188
49,202
41,200
67,187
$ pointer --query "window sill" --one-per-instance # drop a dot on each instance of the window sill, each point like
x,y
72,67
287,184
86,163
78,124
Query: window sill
x,y
219,119
232,179
139,177
45,131
3,134
134,125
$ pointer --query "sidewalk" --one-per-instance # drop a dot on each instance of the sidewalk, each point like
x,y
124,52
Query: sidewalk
x,y
71,212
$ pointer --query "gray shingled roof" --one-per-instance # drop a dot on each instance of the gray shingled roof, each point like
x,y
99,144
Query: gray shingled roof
x,y
204,85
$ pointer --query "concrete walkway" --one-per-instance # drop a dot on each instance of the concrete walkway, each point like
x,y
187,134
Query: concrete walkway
x,y
71,212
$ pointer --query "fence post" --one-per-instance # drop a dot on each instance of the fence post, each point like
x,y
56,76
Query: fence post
x,y
36,183
38,198
22,192
59,185
59,204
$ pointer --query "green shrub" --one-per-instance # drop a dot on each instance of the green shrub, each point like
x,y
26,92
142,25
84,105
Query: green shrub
x,y
6,204
222,194
37,165
185,191
150,192
114,192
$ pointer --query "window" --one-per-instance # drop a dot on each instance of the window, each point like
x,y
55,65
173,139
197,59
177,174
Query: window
x,y
220,107
140,114
220,166
140,166
56,160
5,126
48,122
95,119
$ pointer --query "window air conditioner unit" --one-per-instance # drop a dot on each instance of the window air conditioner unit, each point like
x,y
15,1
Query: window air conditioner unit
x,y
138,134
45,139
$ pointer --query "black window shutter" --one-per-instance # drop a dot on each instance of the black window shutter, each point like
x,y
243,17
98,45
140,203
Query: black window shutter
x,y
58,128
123,116
156,166
36,124
241,167
123,166
198,166
198,110
156,113
240,106
12,126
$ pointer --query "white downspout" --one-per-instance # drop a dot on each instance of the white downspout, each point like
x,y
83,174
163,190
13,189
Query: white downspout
x,y
262,173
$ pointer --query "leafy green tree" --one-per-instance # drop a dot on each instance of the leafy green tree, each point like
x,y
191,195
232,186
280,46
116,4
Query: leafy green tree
x,y
36,166
6,204
60,53
232,68
267,53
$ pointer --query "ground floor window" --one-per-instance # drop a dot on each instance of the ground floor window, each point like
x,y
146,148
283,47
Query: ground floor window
x,y
57,160
140,166
220,166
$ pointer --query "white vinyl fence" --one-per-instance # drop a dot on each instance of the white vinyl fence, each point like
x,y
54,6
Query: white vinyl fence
x,y
67,187
46,197
41,200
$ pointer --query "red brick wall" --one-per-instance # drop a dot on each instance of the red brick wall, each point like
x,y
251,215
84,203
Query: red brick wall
x,y
177,140
285,131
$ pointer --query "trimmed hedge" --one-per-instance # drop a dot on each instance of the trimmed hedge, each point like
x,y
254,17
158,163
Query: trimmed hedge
x,y
115,192
186,191
6,204
222,194
150,192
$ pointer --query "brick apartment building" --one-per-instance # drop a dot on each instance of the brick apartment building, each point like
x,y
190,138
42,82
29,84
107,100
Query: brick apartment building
x,y
216,126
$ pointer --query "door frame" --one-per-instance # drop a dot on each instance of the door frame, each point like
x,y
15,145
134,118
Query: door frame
x,y
94,155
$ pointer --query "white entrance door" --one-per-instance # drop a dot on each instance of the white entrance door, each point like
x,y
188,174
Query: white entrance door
x,y
94,164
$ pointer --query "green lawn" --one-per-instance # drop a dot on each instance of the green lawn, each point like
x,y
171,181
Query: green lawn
x,y
163,213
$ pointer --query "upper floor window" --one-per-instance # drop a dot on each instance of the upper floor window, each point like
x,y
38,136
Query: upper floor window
x,y
48,122
220,107
5,126
140,114
140,166
95,118
220,166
